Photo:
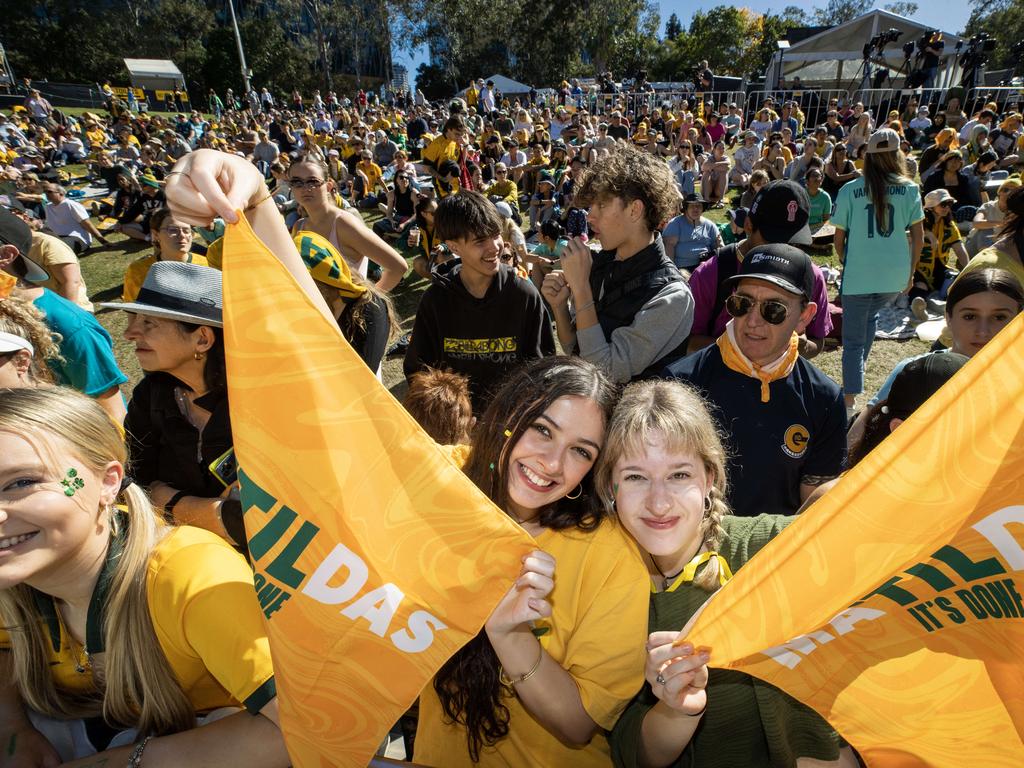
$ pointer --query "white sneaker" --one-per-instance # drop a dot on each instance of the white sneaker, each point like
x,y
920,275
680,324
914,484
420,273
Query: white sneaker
x,y
919,309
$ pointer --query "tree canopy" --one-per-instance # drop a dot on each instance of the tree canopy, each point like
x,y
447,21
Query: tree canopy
x,y
308,44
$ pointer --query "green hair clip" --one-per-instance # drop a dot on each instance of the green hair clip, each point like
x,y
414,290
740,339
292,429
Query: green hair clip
x,y
72,482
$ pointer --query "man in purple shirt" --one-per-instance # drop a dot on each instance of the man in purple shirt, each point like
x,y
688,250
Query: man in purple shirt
x,y
778,214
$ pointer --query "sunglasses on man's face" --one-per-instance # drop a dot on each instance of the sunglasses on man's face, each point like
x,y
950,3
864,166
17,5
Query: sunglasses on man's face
x,y
773,311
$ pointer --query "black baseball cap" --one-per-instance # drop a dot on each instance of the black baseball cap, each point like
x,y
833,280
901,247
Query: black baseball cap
x,y
14,231
737,216
780,264
920,379
780,212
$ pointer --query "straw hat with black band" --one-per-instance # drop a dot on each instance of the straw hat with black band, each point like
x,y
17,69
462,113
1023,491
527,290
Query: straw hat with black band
x,y
175,290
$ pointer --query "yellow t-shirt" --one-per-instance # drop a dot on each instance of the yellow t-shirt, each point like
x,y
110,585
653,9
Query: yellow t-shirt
x,y
507,190
136,273
597,632
207,620
437,151
97,137
373,173
215,254
48,252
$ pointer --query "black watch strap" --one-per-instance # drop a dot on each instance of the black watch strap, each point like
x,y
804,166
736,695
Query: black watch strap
x,y
171,503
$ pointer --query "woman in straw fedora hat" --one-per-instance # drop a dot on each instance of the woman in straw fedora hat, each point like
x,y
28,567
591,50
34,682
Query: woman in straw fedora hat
x,y
178,423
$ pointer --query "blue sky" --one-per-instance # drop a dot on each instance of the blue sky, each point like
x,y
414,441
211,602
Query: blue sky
x,y
947,15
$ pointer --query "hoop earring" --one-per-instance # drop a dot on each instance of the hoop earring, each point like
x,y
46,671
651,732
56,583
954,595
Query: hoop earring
x,y
708,505
579,492
197,355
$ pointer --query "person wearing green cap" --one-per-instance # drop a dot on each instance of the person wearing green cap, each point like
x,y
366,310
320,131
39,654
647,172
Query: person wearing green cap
x,y
135,221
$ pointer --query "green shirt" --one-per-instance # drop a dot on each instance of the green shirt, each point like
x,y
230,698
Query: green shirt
x,y
821,206
877,259
748,722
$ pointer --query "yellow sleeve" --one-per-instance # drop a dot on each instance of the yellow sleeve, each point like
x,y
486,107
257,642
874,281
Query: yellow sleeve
x,y
204,604
431,154
134,276
51,252
215,253
606,652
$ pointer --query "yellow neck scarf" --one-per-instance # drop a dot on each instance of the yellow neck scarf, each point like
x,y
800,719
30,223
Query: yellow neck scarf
x,y
766,374
690,571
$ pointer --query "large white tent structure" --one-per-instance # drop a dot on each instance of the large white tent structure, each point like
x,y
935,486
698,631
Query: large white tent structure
x,y
154,73
506,85
833,58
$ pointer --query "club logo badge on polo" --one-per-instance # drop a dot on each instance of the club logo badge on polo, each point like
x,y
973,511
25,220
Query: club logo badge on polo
x,y
795,441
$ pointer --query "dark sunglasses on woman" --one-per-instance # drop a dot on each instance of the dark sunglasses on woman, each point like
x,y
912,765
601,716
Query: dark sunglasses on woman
x,y
773,311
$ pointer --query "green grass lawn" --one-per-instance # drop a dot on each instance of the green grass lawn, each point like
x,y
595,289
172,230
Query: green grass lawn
x,y
103,270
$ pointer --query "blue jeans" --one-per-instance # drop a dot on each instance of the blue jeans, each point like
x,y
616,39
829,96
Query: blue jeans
x,y
860,321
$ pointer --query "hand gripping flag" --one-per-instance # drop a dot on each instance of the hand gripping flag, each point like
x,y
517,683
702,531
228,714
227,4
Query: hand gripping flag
x,y
374,557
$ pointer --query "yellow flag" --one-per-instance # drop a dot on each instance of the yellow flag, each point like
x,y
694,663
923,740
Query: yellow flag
x,y
893,606
375,558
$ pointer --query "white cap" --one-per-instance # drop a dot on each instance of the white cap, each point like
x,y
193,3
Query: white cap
x,y
938,197
883,140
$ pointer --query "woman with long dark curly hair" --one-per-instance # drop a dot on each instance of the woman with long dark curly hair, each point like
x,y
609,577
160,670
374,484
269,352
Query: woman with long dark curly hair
x,y
560,656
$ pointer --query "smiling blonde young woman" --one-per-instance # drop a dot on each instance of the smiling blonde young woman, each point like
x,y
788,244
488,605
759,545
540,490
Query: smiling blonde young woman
x,y
106,612
662,473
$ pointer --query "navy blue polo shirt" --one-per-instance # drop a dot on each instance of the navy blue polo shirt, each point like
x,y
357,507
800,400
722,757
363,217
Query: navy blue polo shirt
x,y
800,432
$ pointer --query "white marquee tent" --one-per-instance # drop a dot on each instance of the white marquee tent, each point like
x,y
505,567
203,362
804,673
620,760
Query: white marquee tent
x,y
833,58
506,85
154,73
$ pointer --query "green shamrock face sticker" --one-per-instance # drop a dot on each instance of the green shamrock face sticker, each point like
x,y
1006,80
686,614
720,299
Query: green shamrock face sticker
x,y
72,482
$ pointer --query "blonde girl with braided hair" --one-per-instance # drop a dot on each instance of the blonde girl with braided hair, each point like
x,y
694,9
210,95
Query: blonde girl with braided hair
x,y
662,473
111,619
26,345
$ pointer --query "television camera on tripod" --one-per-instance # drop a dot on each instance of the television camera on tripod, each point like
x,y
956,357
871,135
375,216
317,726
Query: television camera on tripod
x,y
974,57
926,61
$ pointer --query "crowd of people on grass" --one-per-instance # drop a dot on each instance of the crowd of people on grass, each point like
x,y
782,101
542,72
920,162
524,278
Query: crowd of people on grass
x,y
629,381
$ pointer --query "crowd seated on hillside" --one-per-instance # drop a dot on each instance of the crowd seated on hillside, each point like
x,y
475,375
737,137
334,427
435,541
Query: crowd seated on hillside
x,y
588,324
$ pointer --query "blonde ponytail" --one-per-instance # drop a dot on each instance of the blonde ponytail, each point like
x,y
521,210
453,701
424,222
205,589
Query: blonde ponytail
x,y
135,684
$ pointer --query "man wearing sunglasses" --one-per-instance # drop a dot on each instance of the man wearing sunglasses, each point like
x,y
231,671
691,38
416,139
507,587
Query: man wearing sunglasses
x,y
784,420
778,214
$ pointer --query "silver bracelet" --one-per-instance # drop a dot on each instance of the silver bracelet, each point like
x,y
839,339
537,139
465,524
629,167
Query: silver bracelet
x,y
135,759
585,306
